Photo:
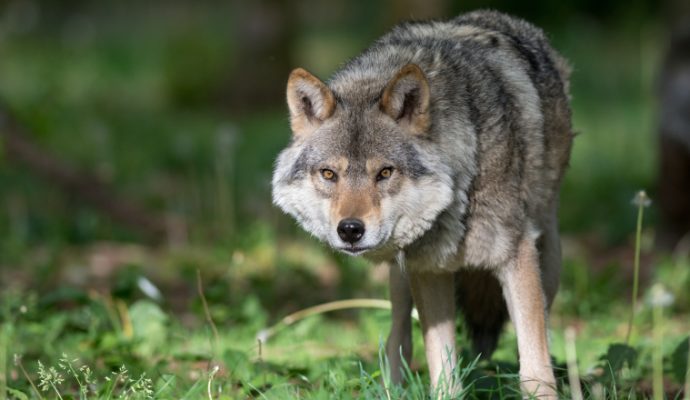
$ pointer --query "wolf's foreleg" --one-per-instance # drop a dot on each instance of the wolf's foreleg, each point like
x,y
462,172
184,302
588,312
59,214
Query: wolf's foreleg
x,y
434,296
400,337
524,296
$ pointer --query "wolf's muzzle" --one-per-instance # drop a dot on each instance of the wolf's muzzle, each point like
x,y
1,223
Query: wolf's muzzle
x,y
351,230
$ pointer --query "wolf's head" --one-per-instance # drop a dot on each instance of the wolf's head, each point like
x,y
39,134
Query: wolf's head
x,y
361,172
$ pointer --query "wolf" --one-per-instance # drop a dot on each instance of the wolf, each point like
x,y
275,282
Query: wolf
x,y
440,151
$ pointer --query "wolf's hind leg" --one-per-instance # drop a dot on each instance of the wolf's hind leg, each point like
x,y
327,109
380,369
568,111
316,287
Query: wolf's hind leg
x,y
524,296
434,296
400,337
480,300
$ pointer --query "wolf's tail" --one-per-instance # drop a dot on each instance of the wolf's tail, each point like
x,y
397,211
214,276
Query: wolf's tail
x,y
480,300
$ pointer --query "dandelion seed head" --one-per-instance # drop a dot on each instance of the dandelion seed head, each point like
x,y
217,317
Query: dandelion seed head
x,y
660,296
641,199
262,335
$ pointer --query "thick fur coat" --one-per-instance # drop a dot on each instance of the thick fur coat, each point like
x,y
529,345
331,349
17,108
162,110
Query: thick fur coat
x,y
442,145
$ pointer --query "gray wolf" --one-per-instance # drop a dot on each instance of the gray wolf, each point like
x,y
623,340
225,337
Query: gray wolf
x,y
440,150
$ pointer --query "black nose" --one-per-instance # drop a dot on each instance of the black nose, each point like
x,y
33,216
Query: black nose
x,y
351,230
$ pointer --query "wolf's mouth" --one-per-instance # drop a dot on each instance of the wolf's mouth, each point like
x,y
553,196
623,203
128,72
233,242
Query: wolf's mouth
x,y
354,251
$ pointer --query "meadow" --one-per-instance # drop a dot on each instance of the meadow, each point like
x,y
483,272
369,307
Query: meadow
x,y
92,310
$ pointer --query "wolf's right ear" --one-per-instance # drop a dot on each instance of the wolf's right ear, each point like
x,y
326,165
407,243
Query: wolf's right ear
x,y
310,101
406,99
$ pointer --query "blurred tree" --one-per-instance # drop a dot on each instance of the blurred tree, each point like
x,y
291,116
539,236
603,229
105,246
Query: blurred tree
x,y
19,147
417,9
674,131
265,31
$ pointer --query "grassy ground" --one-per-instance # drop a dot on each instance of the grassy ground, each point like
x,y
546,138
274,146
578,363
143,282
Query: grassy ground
x,y
86,316
185,347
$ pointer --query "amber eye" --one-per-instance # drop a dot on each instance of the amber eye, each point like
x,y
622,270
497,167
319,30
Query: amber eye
x,y
328,174
384,173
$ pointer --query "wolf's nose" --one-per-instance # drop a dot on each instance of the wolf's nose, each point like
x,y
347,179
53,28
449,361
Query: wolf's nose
x,y
351,230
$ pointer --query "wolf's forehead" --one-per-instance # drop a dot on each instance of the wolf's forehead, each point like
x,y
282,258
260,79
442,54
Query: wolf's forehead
x,y
358,142
362,134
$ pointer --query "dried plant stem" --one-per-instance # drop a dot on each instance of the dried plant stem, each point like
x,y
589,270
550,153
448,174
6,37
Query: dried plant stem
x,y
687,375
4,344
207,313
56,390
658,355
266,334
210,382
636,264
18,363
571,357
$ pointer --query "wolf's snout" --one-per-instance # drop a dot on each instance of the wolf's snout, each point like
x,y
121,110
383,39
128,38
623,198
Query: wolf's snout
x,y
351,230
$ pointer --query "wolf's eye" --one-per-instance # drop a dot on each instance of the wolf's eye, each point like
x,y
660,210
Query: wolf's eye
x,y
384,173
328,174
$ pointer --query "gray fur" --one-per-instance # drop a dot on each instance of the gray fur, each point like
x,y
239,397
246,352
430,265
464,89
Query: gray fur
x,y
483,177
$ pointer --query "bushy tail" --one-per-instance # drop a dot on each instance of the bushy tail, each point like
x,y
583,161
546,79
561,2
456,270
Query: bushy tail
x,y
480,300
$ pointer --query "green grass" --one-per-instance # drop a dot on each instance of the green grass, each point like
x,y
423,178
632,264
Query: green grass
x,y
121,102
324,356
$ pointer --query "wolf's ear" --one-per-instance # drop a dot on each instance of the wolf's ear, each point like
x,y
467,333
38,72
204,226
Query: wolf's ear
x,y
310,101
406,99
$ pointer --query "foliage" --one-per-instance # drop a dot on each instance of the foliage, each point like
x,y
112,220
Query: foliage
x,y
139,101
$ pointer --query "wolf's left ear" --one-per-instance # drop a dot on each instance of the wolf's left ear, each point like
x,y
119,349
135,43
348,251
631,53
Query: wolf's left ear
x,y
406,99
310,101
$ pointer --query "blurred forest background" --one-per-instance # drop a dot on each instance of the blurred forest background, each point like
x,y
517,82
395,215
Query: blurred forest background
x,y
136,146
178,106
